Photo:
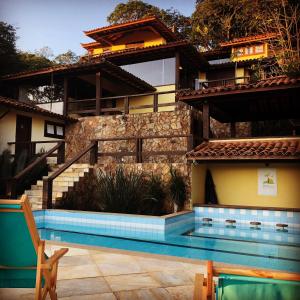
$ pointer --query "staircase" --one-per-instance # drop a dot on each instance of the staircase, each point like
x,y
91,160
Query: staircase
x,y
61,184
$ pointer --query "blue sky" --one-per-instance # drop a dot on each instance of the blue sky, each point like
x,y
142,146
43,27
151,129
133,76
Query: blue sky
x,y
58,24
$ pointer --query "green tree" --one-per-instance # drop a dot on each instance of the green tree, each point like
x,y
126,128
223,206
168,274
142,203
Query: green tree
x,y
216,21
136,9
66,58
30,61
8,51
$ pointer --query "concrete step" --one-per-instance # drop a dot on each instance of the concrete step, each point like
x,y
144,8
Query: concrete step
x,y
39,193
55,183
55,188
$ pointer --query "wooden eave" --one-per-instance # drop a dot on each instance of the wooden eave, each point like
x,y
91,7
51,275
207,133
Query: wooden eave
x,y
189,54
103,34
59,72
241,104
249,39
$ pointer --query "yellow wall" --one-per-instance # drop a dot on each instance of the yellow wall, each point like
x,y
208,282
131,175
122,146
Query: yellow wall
x,y
250,56
239,72
8,131
202,76
198,183
237,184
150,39
148,100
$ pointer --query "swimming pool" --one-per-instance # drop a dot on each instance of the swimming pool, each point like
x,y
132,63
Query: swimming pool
x,y
178,235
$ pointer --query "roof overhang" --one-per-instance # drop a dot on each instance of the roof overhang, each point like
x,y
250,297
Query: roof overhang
x,y
26,106
285,149
272,99
107,35
188,54
86,67
249,39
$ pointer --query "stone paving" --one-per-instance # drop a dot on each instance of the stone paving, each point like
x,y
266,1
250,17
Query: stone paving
x,y
107,274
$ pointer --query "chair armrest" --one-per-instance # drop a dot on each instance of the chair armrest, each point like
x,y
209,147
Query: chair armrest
x,y
54,258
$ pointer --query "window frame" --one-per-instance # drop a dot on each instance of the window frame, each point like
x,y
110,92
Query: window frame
x,y
55,125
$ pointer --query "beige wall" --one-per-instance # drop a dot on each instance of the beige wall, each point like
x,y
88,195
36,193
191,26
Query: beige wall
x,y
237,184
148,100
8,131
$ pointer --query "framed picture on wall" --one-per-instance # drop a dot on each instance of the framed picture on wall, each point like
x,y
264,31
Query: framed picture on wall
x,y
267,182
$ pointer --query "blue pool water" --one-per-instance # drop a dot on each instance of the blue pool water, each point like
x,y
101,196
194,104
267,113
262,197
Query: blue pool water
x,y
280,251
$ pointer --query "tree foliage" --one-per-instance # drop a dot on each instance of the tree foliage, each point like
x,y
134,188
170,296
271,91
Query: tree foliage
x,y
216,21
136,9
8,51
66,58
284,21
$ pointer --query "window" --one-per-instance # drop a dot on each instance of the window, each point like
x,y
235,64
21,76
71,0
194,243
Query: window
x,y
259,49
54,130
249,50
155,72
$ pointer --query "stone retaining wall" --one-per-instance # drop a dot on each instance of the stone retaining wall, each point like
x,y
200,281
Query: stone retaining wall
x,y
171,123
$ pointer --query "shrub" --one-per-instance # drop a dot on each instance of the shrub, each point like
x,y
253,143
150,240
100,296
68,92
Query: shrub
x,y
82,197
155,200
177,188
118,192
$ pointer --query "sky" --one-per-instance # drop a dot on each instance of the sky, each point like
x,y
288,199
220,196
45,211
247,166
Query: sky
x,y
59,24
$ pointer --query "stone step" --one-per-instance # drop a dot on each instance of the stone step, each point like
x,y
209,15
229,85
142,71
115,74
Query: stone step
x,y
39,193
39,183
68,177
55,188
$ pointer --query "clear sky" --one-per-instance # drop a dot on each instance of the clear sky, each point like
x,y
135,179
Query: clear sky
x,y
58,24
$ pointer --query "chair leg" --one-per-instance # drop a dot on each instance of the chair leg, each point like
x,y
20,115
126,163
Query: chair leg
x,y
38,280
199,288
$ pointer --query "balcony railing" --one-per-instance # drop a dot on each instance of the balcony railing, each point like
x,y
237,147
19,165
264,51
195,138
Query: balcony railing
x,y
123,104
199,85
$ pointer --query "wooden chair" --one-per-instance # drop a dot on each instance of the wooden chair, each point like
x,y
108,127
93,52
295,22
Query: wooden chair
x,y
23,262
236,284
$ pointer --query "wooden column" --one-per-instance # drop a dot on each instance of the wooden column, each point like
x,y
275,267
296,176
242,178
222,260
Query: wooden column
x,y
177,71
155,103
232,130
126,105
66,96
98,93
206,121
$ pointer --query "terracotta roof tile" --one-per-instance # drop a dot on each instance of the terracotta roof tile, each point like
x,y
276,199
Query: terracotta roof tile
x,y
32,108
249,39
248,149
266,83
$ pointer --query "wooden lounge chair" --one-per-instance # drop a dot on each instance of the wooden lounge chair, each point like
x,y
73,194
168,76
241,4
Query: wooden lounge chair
x,y
243,284
23,262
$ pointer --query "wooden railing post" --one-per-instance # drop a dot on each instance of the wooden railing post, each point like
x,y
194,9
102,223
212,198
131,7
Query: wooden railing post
x,y
190,143
94,153
32,149
11,188
126,105
98,93
155,103
47,193
140,150
61,153
137,150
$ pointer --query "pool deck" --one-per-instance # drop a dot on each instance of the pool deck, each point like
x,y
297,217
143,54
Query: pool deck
x,y
107,274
